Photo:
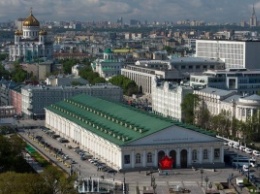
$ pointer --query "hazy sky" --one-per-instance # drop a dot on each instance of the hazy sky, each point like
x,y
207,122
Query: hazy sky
x,y
159,10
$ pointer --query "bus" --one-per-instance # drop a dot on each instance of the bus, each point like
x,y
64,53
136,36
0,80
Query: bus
x,y
240,161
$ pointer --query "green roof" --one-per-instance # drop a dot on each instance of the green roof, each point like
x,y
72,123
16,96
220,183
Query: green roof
x,y
117,123
114,122
108,51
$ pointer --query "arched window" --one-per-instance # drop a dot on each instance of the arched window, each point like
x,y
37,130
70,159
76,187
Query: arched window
x,y
149,157
205,154
138,158
194,154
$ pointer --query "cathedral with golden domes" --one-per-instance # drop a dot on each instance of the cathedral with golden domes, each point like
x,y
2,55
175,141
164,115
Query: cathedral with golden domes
x,y
30,43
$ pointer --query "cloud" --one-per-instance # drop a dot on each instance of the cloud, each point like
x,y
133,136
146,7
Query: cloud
x,y
162,10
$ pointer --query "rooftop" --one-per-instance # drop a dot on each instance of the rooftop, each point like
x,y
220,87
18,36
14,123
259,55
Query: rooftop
x,y
216,91
114,122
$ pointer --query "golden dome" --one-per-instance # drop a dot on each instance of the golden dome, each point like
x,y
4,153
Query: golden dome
x,y
42,32
18,32
31,21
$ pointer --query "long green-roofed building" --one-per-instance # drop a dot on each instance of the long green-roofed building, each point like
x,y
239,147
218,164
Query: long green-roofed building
x,y
127,138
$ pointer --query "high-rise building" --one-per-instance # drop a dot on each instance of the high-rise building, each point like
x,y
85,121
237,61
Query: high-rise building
x,y
253,19
235,54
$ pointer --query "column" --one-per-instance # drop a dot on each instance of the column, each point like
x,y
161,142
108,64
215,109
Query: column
x,y
133,159
178,158
167,152
222,154
211,155
155,159
200,155
144,158
189,156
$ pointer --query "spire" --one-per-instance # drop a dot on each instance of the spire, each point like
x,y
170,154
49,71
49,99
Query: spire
x,y
253,14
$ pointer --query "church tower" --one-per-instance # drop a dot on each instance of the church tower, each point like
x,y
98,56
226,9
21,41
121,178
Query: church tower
x,y
253,19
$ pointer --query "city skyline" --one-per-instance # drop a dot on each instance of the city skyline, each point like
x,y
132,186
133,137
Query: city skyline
x,y
160,10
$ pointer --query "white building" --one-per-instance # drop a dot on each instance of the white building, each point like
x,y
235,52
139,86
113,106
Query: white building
x,y
234,105
35,98
167,98
108,66
176,69
240,80
129,139
235,54
30,43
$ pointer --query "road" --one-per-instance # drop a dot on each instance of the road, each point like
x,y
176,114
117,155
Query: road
x,y
138,181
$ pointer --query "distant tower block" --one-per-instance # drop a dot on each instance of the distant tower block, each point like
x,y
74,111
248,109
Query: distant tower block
x,y
253,18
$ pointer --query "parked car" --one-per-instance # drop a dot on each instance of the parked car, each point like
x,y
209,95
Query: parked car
x,y
256,153
245,168
230,144
236,146
248,150
242,148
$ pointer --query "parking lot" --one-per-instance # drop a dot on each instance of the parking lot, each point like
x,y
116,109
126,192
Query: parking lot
x,y
245,160
70,157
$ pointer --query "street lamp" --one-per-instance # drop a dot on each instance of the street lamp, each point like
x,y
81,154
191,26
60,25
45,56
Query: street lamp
x,y
210,186
201,174
153,184
206,180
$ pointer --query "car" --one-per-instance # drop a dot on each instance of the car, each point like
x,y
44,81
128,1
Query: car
x,y
242,148
63,140
256,153
245,168
230,144
236,146
112,171
248,150
83,157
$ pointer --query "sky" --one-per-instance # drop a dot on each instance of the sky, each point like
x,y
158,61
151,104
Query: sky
x,y
110,10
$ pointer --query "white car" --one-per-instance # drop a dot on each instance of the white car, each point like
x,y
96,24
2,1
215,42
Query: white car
x,y
242,148
245,168
248,151
256,153
236,146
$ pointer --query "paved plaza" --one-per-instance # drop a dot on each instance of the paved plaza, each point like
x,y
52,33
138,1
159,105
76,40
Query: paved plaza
x,y
190,179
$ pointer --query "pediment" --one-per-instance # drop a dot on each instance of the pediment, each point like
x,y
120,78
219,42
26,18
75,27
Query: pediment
x,y
174,134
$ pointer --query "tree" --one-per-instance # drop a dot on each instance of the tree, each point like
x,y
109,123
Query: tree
x,y
188,106
67,64
129,86
18,74
57,183
203,117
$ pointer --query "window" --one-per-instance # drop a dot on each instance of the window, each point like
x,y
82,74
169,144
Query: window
x,y
205,154
194,155
127,159
216,153
138,158
149,157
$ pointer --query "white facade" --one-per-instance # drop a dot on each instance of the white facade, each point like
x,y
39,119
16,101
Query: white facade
x,y
35,98
234,105
188,148
30,43
167,99
177,69
241,80
235,54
